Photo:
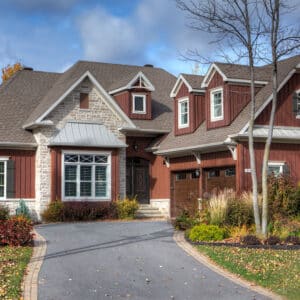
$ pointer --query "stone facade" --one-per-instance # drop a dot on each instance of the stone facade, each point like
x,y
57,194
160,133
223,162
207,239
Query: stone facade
x,y
69,110
163,205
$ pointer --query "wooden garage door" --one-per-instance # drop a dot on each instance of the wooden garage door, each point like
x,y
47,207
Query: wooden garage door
x,y
185,192
217,179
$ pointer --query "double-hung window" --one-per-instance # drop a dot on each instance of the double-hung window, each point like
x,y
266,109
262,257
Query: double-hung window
x,y
139,104
216,105
296,103
3,168
183,113
87,176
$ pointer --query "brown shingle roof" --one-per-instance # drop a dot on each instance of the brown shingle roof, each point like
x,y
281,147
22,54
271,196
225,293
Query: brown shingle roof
x,y
193,80
203,136
18,97
107,75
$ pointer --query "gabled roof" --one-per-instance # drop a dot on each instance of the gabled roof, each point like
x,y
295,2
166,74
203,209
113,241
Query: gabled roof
x,y
203,137
129,83
237,73
86,134
192,82
18,98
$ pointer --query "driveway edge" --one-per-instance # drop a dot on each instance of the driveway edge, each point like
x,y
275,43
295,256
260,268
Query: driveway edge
x,y
187,247
30,283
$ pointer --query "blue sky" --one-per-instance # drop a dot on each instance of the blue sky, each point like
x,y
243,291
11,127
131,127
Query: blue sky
x,y
51,35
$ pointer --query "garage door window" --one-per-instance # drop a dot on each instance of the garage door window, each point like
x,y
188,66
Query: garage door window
x,y
230,172
213,173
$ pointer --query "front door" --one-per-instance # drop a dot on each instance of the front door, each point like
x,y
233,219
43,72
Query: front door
x,y
137,179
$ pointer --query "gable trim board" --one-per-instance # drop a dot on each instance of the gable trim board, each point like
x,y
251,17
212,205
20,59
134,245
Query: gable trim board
x,y
140,74
213,67
269,99
178,85
112,104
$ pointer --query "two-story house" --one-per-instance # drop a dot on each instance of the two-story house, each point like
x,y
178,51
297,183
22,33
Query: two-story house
x,y
99,131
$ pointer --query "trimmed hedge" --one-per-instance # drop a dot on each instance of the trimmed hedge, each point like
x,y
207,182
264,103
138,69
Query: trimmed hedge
x,y
16,231
207,233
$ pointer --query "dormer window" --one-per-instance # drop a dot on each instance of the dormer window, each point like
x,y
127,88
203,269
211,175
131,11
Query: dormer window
x,y
296,103
216,105
138,104
183,113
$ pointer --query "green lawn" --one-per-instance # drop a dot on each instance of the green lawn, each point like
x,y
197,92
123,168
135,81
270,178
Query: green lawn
x,y
13,262
277,270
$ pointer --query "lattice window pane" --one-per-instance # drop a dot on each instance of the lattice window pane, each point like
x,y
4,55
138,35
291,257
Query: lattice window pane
x,y
1,179
71,158
70,189
100,159
70,173
86,158
85,189
2,167
85,173
100,173
139,103
101,189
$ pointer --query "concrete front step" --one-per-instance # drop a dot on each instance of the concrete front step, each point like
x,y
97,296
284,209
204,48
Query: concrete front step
x,y
148,211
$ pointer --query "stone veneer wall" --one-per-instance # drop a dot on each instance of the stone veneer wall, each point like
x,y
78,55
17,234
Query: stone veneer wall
x,y
99,111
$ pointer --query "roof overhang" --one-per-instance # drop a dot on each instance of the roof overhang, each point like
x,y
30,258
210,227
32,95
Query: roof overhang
x,y
142,132
21,146
214,68
183,151
86,134
111,102
180,80
148,85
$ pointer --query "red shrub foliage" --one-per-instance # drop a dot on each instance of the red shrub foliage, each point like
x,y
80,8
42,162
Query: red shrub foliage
x,y
16,231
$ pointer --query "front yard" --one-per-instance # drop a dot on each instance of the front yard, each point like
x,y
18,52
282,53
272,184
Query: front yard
x,y
13,262
277,270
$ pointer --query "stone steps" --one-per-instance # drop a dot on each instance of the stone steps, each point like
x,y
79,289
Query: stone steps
x,y
148,211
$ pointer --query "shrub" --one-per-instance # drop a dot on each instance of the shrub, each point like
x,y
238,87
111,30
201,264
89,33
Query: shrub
x,y
54,212
238,232
294,240
184,221
127,208
284,228
207,233
4,212
16,231
284,197
23,210
218,205
272,240
240,211
250,240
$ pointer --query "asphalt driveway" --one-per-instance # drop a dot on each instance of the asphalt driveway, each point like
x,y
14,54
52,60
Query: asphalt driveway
x,y
125,260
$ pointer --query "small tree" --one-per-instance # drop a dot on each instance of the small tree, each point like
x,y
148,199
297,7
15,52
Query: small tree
x,y
9,70
233,23
283,40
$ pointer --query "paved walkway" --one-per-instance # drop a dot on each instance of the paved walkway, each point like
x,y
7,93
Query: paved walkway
x,y
126,260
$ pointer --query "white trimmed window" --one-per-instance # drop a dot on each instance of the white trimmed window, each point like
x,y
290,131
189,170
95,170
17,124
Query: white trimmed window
x,y
296,103
86,176
138,104
275,168
216,105
183,113
3,175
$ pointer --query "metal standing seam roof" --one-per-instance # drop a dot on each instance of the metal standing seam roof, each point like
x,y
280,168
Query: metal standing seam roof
x,y
87,135
278,132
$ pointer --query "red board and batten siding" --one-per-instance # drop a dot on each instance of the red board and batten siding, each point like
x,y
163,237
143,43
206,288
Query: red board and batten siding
x,y
289,153
196,110
284,113
235,98
24,172
56,171
124,99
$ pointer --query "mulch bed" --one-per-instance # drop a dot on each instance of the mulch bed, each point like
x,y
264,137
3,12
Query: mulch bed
x,y
228,244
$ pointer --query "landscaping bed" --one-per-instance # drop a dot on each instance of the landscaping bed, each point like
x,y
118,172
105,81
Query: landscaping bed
x,y
13,262
277,270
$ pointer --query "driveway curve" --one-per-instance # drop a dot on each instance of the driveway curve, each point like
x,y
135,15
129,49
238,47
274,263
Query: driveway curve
x,y
125,260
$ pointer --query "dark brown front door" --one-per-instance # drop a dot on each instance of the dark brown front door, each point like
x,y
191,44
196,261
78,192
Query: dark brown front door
x,y
217,179
185,192
137,179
